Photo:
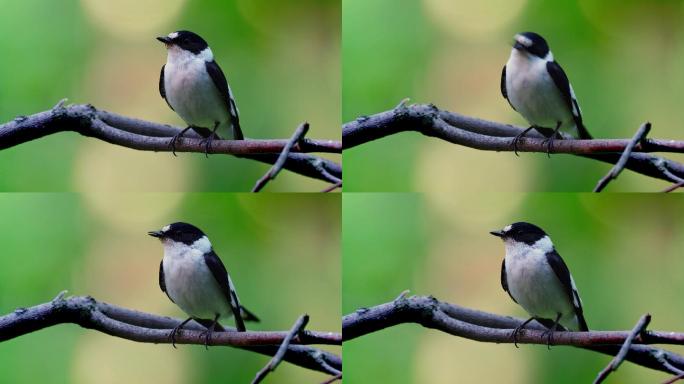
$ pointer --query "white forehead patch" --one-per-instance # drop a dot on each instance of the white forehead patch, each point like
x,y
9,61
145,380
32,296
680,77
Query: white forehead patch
x,y
202,244
173,35
523,40
166,228
507,228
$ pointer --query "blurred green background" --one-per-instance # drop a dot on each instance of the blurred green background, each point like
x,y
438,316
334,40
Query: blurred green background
x,y
624,252
282,252
281,58
625,60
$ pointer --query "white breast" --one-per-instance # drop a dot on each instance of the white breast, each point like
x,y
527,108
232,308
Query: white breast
x,y
533,93
192,93
191,285
535,286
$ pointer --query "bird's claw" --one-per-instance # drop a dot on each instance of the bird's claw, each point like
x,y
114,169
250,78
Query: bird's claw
x,y
207,338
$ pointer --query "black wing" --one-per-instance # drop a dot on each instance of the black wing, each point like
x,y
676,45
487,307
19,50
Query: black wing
x,y
561,80
504,280
221,83
221,275
162,282
563,273
504,92
162,91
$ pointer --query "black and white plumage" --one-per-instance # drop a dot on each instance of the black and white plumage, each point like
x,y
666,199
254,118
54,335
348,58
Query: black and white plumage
x,y
194,278
536,86
194,86
537,278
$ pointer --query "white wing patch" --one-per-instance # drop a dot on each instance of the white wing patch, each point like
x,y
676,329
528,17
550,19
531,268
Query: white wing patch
x,y
576,111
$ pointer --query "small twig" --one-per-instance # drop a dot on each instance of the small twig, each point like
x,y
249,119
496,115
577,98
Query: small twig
x,y
332,187
402,103
620,165
674,187
402,295
278,357
333,379
674,379
620,357
59,104
299,134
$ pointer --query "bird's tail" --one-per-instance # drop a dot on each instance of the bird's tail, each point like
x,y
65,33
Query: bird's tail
x,y
237,132
582,132
247,315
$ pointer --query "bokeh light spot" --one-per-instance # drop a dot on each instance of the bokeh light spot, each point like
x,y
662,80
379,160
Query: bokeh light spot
x,y
131,18
473,18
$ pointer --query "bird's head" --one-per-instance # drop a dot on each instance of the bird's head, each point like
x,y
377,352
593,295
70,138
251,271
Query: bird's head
x,y
185,41
522,232
532,44
182,234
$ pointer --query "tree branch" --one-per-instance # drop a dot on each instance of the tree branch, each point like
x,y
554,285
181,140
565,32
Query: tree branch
x,y
148,136
278,357
620,357
491,136
298,135
620,165
486,327
148,328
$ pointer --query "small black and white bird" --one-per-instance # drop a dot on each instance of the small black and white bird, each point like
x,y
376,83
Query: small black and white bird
x,y
194,86
536,277
194,278
538,88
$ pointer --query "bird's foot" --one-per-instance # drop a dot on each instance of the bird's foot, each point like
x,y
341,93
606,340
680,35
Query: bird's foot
x,y
207,143
175,138
550,331
207,337
176,330
517,138
516,331
549,140
549,337
519,329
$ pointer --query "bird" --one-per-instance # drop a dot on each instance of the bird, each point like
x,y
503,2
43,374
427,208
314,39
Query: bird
x,y
536,86
194,87
536,277
194,278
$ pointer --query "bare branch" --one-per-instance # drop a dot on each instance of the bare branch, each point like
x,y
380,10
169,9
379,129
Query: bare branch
x,y
333,379
620,357
148,136
491,136
674,379
332,187
620,165
278,357
674,187
298,135
486,327
148,328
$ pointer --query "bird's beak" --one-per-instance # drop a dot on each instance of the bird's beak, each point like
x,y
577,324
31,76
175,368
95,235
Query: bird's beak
x,y
155,233
497,233
164,39
519,46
